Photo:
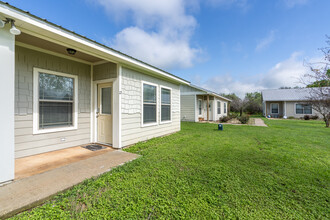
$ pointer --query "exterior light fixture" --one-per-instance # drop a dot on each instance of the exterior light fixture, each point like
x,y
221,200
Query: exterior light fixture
x,y
13,30
2,24
71,51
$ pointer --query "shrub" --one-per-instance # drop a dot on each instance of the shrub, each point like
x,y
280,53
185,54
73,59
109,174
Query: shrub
x,y
314,117
244,119
306,117
224,119
233,115
290,117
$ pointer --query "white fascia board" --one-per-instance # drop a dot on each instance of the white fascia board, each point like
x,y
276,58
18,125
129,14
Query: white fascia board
x,y
17,15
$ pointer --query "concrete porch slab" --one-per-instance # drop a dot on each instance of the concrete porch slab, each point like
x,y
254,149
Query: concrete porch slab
x,y
28,192
32,165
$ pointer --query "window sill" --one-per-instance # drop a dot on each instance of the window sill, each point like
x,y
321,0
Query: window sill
x,y
165,122
149,124
53,130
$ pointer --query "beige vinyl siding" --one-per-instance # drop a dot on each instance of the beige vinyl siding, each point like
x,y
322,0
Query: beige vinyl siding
x,y
26,143
188,107
104,71
291,110
132,131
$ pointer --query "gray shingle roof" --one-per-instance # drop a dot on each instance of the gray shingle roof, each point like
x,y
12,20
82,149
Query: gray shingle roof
x,y
285,94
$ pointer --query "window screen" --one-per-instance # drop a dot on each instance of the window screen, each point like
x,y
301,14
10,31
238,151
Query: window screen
x,y
219,107
149,104
224,107
303,109
166,104
56,95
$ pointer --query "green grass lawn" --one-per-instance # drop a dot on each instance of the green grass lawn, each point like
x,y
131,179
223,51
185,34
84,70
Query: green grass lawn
x,y
243,172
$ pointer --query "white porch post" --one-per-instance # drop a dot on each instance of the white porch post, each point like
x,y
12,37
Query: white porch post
x,y
116,125
7,111
284,114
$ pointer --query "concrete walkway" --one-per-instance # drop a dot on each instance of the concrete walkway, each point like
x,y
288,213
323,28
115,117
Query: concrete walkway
x,y
259,122
28,192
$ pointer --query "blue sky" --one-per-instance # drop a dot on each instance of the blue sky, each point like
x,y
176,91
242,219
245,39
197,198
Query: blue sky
x,y
224,45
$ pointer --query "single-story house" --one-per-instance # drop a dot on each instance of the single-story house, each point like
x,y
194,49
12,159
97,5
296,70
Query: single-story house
x,y
278,103
60,89
199,104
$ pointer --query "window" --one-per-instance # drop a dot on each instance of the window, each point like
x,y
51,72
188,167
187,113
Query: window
x,y
225,108
199,107
219,107
149,104
165,104
274,108
55,97
303,109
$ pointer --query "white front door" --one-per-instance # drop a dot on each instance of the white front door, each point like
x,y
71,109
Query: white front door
x,y
104,113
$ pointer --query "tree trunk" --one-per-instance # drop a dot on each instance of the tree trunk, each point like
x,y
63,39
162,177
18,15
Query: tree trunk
x,y
327,122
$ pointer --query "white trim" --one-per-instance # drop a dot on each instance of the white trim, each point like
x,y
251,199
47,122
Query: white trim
x,y
120,73
278,108
160,103
37,22
36,129
142,104
103,62
28,46
295,109
92,109
218,102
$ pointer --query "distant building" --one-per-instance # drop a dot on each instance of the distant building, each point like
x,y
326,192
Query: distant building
x,y
287,103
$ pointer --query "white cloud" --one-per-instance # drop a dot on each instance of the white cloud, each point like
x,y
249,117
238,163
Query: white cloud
x,y
264,43
155,48
285,73
293,3
160,32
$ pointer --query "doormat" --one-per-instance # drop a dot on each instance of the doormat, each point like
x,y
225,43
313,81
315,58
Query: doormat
x,y
94,147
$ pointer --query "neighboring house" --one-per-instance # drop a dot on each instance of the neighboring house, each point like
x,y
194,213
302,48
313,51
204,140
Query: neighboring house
x,y
198,104
59,89
287,103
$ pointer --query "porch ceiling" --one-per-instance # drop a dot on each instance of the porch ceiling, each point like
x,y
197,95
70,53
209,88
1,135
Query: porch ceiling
x,y
47,45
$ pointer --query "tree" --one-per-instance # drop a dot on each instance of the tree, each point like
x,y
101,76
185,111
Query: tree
x,y
318,81
254,103
237,104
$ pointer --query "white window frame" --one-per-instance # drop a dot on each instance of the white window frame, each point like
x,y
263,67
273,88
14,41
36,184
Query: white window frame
x,y
36,129
201,107
218,107
160,103
142,103
295,109
278,108
225,108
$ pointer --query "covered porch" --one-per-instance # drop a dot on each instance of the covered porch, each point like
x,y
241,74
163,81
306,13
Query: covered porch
x,y
275,109
87,73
